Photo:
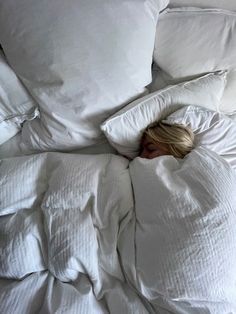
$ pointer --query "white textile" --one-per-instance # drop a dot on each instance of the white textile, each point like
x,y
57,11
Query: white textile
x,y
180,247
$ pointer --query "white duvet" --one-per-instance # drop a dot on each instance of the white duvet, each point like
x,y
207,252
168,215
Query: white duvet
x,y
182,239
63,216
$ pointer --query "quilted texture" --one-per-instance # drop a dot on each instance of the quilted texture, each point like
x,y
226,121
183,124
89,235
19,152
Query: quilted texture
x,y
60,219
67,222
182,240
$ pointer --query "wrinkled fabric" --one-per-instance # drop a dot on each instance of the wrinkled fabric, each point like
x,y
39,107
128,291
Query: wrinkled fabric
x,y
60,219
125,128
184,49
16,104
181,241
80,60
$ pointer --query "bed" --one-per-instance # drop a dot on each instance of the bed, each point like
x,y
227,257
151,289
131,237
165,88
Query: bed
x,y
86,226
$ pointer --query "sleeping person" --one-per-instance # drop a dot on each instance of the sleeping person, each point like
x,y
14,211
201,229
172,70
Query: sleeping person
x,y
163,138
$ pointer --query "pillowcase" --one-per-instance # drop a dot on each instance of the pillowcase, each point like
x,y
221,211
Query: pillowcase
x,y
124,129
226,5
181,248
16,105
86,64
184,49
212,130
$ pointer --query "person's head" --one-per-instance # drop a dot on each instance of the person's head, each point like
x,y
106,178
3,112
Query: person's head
x,y
163,138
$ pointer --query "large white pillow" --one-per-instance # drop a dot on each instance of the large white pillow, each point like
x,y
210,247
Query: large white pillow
x,y
124,129
180,247
81,60
184,48
16,105
212,130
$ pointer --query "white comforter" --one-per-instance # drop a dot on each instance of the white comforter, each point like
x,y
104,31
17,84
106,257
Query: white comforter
x,y
182,240
62,217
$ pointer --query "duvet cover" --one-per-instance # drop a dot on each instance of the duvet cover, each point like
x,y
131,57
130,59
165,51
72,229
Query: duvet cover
x,y
95,234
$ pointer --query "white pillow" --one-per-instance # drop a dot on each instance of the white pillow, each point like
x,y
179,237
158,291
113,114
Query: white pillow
x,y
226,5
183,243
81,61
212,130
16,105
124,129
184,49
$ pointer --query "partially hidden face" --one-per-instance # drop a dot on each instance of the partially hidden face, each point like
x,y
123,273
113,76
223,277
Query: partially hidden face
x,y
150,149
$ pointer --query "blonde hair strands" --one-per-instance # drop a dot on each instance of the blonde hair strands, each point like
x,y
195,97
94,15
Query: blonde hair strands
x,y
178,137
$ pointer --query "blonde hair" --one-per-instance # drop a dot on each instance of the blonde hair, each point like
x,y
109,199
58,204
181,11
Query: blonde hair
x,y
179,138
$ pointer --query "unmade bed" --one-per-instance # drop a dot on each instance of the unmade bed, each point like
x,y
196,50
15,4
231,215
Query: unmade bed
x,y
86,225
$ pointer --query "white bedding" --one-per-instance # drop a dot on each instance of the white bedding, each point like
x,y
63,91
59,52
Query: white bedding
x,y
62,217
14,147
184,50
93,59
72,241
179,249
221,4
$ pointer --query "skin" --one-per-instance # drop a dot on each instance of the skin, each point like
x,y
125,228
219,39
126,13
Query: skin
x,y
150,149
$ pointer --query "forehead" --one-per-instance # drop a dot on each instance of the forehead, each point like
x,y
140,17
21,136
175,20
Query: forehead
x,y
146,139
